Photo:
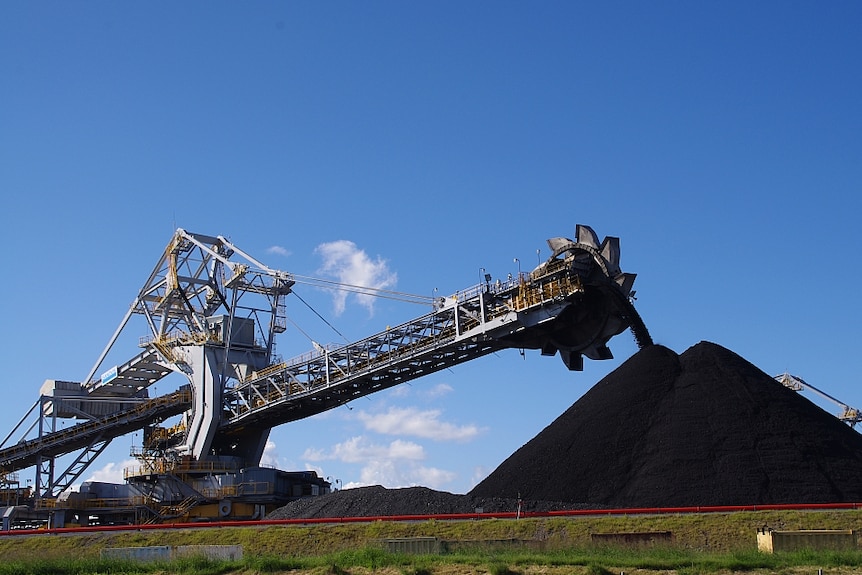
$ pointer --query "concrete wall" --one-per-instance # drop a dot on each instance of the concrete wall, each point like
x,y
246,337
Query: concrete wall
x,y
832,539
413,545
166,553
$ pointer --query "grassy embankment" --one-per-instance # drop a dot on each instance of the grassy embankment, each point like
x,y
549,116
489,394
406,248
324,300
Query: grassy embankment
x,y
705,543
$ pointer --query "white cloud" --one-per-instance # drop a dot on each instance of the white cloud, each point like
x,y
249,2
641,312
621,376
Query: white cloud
x,y
432,477
314,454
270,455
278,251
393,476
403,391
359,449
114,472
412,421
398,464
347,264
399,391
439,390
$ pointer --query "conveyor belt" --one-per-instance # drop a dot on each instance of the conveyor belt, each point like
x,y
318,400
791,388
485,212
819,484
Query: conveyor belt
x,y
328,378
27,453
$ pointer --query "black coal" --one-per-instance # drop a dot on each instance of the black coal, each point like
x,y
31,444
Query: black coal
x,y
663,430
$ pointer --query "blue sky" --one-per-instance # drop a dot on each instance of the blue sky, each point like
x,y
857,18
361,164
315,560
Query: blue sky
x,y
718,140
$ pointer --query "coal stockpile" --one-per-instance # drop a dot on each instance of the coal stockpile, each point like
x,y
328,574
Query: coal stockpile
x,y
377,501
702,428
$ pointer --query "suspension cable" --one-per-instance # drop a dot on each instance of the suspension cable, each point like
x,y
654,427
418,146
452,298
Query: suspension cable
x,y
377,292
323,319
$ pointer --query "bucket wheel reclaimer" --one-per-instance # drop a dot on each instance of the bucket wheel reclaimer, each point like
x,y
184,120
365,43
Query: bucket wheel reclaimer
x,y
214,312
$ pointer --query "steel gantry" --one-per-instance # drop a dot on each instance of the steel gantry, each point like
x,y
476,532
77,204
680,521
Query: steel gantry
x,y
213,313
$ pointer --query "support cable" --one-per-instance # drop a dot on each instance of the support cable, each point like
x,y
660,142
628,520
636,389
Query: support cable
x,y
323,319
378,292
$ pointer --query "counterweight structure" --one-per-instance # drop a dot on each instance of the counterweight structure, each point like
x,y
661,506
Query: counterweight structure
x,y
213,314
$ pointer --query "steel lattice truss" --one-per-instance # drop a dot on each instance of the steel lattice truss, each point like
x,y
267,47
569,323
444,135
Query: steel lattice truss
x,y
329,377
194,280
197,296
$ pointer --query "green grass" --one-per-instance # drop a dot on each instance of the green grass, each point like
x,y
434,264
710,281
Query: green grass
x,y
593,562
701,544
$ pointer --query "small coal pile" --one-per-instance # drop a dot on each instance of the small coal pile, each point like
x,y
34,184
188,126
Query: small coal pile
x,y
377,501
702,428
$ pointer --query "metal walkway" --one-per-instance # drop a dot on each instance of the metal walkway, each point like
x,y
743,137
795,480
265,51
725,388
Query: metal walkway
x,y
132,377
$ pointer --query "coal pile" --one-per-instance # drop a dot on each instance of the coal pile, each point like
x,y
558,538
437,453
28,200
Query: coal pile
x,y
702,428
377,501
